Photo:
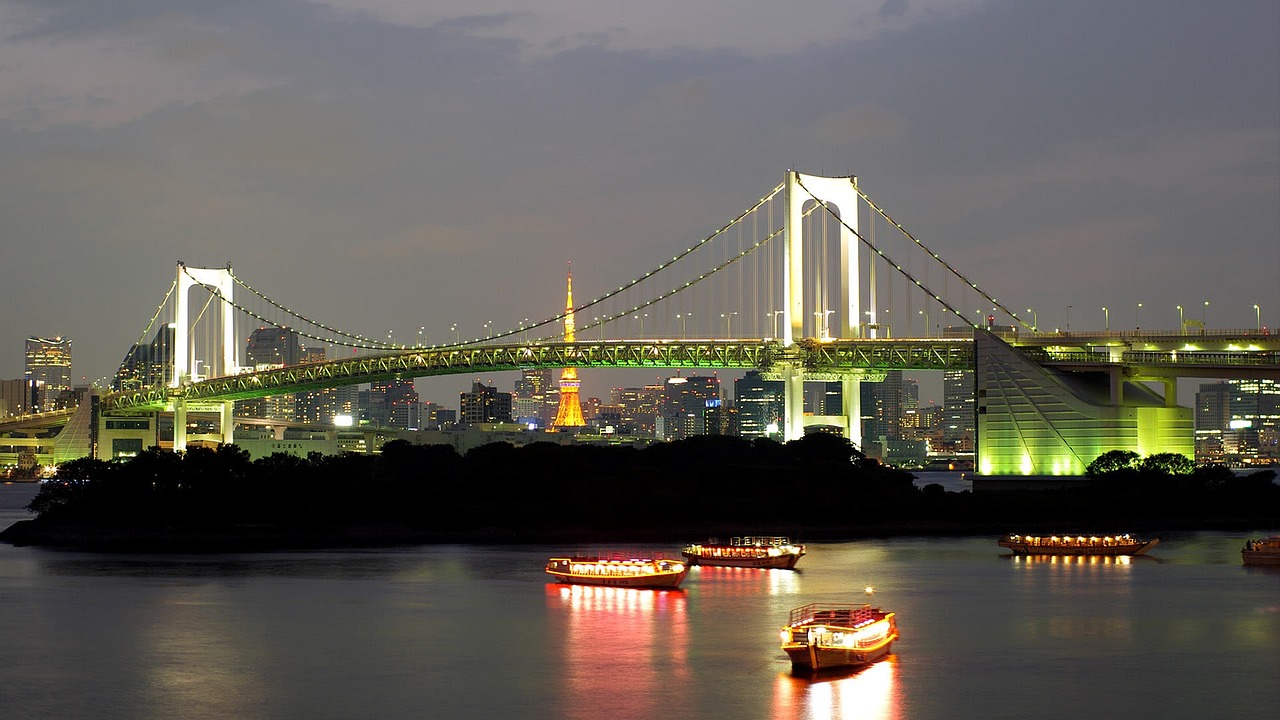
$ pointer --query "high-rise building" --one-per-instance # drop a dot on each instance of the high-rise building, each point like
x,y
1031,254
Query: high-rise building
x,y
149,365
569,414
48,371
404,408
684,405
484,404
270,348
536,397
760,406
321,406
637,409
958,420
1238,422
882,405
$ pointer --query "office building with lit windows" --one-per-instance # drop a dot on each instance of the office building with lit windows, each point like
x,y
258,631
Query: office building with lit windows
x,y
48,371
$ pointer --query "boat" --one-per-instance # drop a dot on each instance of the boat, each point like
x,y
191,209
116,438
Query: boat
x,y
747,551
1262,551
1077,544
822,636
618,571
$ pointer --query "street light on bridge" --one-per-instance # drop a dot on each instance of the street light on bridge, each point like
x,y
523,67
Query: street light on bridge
x,y
926,321
824,331
1035,320
727,317
641,318
772,319
682,317
1181,325
1204,317
454,329
1137,317
1106,319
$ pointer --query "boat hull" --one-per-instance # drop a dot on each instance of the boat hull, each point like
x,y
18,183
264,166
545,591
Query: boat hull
x,y
1265,551
670,580
812,658
1114,549
781,562
823,636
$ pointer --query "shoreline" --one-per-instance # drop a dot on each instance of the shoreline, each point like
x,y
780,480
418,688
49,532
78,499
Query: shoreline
x,y
262,539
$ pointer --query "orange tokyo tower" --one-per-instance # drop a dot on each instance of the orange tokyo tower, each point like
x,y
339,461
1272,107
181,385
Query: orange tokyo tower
x,y
569,414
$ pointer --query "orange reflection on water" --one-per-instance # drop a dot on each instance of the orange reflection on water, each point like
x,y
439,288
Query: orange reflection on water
x,y
868,693
1072,560
622,647
733,581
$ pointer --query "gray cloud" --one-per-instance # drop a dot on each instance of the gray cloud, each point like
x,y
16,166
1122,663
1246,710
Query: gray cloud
x,y
371,163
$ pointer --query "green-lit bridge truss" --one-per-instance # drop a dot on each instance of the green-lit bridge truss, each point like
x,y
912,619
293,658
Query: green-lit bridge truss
x,y
814,357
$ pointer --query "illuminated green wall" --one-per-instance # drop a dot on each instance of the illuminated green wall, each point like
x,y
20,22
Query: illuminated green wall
x,y
1037,421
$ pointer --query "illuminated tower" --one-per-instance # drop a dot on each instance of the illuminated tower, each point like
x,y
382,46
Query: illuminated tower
x,y
570,412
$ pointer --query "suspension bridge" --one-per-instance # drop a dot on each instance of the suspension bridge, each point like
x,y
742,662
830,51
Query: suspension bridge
x,y
797,286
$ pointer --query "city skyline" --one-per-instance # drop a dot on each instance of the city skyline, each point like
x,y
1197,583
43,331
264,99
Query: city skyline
x,y
375,164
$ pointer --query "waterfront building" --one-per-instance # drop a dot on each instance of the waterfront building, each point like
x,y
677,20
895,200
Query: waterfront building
x,y
1237,422
48,371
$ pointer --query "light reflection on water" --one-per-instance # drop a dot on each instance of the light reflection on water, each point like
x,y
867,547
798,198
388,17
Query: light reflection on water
x,y
868,693
623,647
730,581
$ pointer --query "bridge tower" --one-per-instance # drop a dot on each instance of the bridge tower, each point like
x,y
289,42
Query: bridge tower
x,y
185,368
840,193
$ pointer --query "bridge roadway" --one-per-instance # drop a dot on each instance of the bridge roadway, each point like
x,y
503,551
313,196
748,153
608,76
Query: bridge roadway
x,y
1147,356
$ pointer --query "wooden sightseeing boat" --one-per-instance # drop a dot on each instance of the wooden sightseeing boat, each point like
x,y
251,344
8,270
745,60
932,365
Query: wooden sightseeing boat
x,y
1262,551
822,636
747,552
618,571
1077,544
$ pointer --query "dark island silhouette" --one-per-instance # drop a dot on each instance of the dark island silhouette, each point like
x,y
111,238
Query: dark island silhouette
x,y
819,488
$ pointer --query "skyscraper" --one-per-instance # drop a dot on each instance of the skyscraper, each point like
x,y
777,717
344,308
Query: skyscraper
x,y
268,348
1238,421
760,405
958,423
685,403
570,412
48,371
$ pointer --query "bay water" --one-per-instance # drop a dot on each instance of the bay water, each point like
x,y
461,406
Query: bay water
x,y
479,632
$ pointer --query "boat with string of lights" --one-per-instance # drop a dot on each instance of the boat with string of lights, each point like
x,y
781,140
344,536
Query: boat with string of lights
x,y
1124,544
618,571
746,552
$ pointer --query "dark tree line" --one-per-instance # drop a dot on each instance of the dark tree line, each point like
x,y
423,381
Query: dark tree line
x,y
709,485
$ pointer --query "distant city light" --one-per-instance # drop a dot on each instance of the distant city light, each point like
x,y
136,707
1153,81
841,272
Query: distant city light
x,y
343,421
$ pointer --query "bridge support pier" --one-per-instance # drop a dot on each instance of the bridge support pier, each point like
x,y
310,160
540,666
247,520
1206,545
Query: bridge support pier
x,y
179,425
792,400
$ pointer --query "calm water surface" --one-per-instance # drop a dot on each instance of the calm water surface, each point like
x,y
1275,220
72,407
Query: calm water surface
x,y
477,632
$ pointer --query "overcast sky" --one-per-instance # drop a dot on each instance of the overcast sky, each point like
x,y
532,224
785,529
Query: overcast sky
x,y
393,164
